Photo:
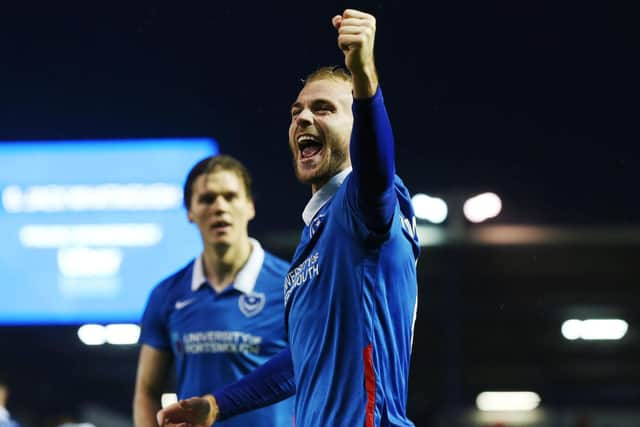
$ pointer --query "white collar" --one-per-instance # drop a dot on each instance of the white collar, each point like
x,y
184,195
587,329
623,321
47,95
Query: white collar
x,y
323,195
246,278
4,414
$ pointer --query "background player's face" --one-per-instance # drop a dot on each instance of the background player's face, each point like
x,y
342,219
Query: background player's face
x,y
221,208
320,130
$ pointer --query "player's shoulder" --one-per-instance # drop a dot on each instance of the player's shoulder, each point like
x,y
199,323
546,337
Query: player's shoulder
x,y
178,279
402,192
274,265
272,273
396,194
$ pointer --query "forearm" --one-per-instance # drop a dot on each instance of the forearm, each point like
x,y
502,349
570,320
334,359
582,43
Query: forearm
x,y
372,157
145,407
268,384
365,82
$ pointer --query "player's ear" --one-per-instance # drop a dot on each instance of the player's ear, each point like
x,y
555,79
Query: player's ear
x,y
189,216
252,210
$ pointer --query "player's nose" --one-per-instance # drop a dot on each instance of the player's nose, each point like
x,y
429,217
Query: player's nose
x,y
220,204
304,118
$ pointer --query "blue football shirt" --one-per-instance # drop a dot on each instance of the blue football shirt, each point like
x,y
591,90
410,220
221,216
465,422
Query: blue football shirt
x,y
216,339
350,305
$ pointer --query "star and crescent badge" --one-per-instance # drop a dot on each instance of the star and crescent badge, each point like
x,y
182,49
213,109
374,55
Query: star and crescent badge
x,y
251,304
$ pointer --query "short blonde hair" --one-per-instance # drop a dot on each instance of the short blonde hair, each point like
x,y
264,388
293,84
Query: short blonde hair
x,y
333,72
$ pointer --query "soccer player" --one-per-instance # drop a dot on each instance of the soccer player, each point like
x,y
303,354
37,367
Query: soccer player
x,y
351,292
5,417
220,316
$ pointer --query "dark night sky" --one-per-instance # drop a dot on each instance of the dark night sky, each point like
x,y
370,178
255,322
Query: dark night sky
x,y
536,100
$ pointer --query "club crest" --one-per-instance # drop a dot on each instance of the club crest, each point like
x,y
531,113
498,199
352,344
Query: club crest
x,y
252,304
316,224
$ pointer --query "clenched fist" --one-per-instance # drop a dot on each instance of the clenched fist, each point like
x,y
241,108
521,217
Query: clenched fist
x,y
356,37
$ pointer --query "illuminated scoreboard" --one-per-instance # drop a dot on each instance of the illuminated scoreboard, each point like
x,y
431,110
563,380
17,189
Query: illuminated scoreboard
x,y
88,227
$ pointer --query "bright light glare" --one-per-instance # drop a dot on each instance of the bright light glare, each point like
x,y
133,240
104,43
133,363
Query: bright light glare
x,y
58,235
158,196
433,209
507,401
482,207
118,334
168,398
92,334
122,334
88,262
571,329
594,329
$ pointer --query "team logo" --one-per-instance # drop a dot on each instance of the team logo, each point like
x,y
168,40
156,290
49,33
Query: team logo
x,y
251,304
182,304
315,224
307,270
410,226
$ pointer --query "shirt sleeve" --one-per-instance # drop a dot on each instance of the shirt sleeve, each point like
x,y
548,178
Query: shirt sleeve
x,y
372,157
266,385
153,328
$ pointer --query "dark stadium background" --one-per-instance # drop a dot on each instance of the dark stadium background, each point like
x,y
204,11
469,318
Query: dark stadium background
x,y
534,100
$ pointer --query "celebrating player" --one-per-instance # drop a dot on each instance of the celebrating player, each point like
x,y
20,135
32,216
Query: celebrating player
x,y
351,292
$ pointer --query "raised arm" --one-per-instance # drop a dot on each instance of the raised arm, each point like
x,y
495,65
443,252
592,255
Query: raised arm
x,y
372,145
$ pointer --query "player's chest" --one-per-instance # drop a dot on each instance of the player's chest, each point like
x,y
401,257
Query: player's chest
x,y
236,311
310,272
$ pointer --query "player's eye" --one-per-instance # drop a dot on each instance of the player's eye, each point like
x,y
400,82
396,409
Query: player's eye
x,y
206,199
324,108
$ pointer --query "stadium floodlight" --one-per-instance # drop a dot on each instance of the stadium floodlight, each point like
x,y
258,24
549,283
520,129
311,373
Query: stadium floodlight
x,y
122,333
92,334
482,207
507,401
572,329
594,329
432,209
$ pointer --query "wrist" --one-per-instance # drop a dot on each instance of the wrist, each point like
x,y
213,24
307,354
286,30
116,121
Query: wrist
x,y
365,82
214,410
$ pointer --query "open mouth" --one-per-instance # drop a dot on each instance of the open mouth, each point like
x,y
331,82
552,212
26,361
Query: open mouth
x,y
218,225
309,146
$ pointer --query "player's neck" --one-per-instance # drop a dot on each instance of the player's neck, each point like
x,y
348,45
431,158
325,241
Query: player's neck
x,y
317,184
222,263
